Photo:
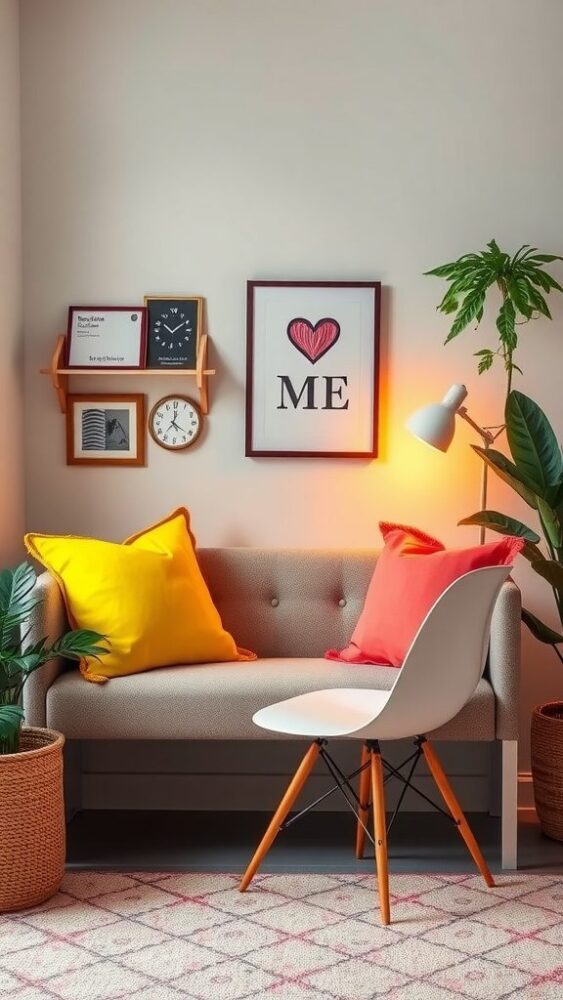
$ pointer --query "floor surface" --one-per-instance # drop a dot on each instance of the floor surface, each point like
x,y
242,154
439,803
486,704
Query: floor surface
x,y
319,842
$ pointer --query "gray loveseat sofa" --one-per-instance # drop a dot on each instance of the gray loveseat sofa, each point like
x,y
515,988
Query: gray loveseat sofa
x,y
288,605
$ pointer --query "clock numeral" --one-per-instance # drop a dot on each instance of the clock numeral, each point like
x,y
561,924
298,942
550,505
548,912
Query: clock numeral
x,y
159,431
184,438
174,309
173,440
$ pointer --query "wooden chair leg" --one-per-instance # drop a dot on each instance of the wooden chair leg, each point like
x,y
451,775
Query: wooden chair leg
x,y
448,795
363,795
294,787
380,834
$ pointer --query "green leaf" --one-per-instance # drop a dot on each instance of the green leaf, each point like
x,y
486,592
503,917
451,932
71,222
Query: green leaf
x,y
551,571
531,552
537,301
10,721
508,472
550,523
546,258
486,360
471,307
506,325
78,644
540,631
503,524
541,278
518,291
16,602
533,445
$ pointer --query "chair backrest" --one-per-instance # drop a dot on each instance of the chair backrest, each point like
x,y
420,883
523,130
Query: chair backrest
x,y
446,659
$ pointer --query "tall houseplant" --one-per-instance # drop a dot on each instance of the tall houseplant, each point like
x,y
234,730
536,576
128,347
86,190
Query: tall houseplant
x,y
521,280
535,473
32,822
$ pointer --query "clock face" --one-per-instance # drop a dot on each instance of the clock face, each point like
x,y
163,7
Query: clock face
x,y
175,422
172,329
173,332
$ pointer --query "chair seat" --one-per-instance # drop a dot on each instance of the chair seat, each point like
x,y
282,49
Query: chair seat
x,y
333,712
218,700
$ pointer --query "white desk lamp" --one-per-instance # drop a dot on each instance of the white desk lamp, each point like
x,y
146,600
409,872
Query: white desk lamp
x,y
435,425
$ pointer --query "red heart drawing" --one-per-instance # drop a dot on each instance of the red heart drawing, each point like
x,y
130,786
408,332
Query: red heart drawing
x,y
313,341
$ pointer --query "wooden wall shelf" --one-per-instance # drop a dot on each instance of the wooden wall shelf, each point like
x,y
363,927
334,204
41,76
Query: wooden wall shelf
x,y
60,375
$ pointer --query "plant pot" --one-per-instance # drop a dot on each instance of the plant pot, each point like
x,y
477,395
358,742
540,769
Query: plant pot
x,y
547,767
32,821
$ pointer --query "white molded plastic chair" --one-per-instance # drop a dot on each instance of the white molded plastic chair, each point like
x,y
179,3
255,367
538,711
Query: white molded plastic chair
x,y
440,673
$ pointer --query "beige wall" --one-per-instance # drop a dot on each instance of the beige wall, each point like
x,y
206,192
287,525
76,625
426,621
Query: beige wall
x,y
11,347
185,146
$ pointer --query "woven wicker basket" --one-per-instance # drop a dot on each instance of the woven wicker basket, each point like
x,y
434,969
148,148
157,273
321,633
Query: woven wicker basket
x,y
32,822
547,767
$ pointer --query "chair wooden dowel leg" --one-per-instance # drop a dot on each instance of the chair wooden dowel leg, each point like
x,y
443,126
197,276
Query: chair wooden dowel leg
x,y
448,795
380,834
294,787
363,795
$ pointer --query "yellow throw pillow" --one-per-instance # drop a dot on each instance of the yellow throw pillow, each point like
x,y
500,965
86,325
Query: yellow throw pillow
x,y
147,596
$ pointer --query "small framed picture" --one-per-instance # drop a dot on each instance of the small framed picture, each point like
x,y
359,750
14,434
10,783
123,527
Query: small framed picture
x,y
106,336
174,330
312,369
106,429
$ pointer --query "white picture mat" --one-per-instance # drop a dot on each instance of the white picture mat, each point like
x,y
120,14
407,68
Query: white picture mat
x,y
106,338
352,355
102,455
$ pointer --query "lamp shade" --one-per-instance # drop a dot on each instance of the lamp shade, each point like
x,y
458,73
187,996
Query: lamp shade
x,y
435,423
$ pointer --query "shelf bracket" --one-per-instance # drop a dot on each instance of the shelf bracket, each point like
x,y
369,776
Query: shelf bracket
x,y
59,381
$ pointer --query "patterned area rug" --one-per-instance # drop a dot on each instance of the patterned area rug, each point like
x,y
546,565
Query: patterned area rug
x,y
290,937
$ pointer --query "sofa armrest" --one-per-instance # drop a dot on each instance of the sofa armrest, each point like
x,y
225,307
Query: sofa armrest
x,y
49,619
504,661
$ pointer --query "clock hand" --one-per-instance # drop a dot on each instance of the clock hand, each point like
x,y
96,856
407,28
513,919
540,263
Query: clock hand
x,y
175,328
167,328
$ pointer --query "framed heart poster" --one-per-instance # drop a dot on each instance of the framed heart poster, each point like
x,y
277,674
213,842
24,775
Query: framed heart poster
x,y
312,369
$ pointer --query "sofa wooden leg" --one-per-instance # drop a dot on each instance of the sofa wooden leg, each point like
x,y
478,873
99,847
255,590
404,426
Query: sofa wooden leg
x,y
380,834
293,790
448,795
363,795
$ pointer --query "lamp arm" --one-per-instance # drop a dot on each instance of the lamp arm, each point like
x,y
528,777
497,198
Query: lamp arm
x,y
484,434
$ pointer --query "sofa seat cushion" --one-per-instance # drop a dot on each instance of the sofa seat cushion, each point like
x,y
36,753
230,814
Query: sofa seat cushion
x,y
218,700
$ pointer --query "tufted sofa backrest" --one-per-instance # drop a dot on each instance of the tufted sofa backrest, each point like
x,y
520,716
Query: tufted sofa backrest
x,y
288,602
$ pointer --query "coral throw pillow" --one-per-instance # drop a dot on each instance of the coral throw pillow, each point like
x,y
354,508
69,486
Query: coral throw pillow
x,y
411,573
147,596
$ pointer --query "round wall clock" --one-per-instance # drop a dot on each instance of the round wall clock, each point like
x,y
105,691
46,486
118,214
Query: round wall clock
x,y
175,422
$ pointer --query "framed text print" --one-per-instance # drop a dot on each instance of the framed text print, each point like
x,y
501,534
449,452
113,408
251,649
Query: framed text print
x,y
312,369
106,337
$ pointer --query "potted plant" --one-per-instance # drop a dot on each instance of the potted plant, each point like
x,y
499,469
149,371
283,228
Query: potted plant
x,y
534,471
32,826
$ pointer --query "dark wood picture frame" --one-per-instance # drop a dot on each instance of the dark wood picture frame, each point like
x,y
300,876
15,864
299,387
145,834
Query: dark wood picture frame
x,y
105,400
110,309
250,450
